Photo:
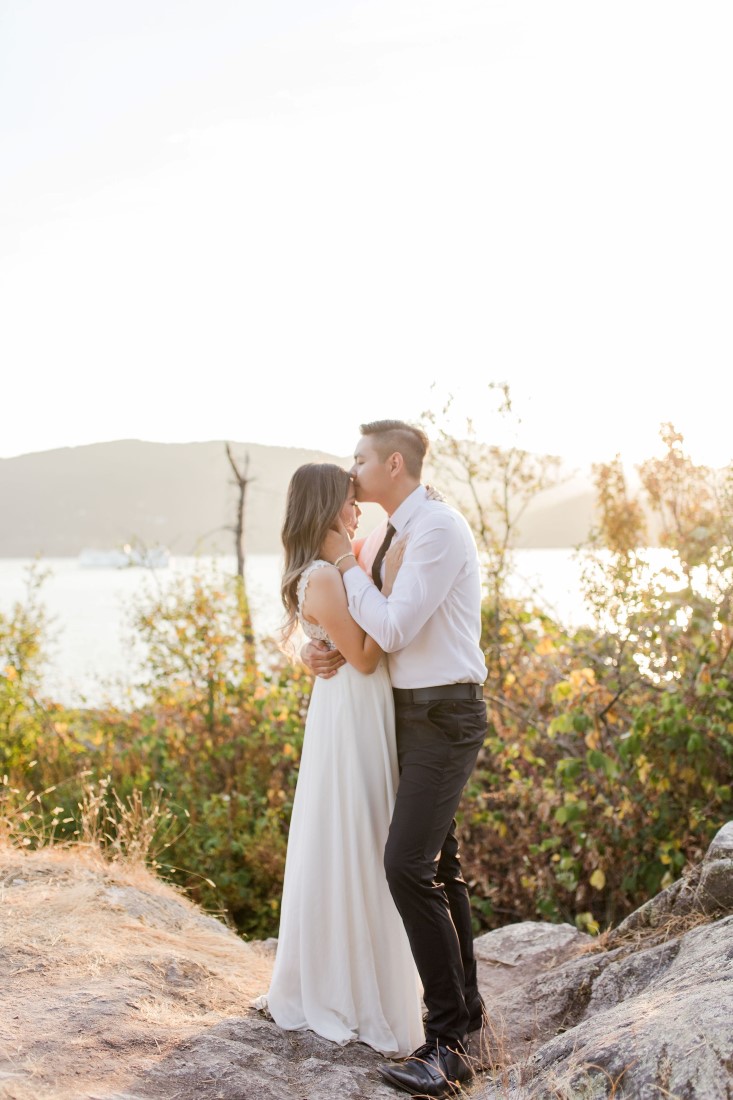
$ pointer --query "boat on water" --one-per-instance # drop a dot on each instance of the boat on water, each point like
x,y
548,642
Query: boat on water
x,y
125,557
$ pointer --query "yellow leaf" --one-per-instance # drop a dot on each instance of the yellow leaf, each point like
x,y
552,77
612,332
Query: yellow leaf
x,y
561,691
582,677
586,921
598,879
643,769
544,646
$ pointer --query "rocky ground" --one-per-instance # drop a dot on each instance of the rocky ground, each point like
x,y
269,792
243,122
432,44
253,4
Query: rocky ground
x,y
114,987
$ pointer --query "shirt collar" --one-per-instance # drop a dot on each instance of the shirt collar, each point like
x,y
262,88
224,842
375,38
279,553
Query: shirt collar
x,y
402,515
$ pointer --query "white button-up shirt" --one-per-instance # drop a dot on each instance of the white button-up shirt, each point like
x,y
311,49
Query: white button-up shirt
x,y
430,624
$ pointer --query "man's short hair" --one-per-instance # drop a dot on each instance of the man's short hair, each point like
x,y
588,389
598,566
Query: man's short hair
x,y
389,436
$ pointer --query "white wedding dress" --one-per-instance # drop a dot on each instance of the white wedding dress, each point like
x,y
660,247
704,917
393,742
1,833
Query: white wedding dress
x,y
343,967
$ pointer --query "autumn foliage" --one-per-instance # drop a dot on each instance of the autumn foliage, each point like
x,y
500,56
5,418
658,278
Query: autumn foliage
x,y
608,763
608,768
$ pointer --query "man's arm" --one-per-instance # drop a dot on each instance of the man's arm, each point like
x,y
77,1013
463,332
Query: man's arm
x,y
433,560
320,660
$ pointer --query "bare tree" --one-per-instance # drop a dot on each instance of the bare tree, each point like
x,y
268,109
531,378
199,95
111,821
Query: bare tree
x,y
242,479
493,486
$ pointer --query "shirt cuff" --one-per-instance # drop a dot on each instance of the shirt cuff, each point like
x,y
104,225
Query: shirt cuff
x,y
355,581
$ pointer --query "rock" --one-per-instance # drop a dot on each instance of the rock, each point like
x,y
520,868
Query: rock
x,y
721,846
644,1014
158,911
248,1057
705,890
265,947
115,987
530,944
656,1023
715,889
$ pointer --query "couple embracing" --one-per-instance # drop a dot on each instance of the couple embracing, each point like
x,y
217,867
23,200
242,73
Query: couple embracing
x,y
375,910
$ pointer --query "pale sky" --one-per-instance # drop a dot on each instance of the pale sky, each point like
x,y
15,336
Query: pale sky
x,y
268,222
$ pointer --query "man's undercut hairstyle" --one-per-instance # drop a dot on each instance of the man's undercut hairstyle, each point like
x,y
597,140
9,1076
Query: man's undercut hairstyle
x,y
389,436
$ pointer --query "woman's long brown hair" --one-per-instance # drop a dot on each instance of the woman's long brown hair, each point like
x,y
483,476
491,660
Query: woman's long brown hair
x,y
316,495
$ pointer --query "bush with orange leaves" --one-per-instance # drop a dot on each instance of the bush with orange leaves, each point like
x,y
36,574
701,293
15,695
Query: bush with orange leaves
x,y
609,764
210,734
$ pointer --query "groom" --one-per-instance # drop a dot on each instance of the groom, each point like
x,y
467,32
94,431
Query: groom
x,y
430,626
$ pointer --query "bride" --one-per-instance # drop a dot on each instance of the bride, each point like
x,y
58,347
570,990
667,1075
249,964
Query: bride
x,y
343,967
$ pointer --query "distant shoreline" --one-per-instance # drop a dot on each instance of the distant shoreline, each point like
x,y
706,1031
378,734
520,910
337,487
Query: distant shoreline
x,y
103,495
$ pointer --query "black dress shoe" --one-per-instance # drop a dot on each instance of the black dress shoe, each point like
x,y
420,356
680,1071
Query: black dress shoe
x,y
432,1070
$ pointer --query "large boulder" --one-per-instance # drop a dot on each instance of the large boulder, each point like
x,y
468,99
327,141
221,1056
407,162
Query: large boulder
x,y
644,1011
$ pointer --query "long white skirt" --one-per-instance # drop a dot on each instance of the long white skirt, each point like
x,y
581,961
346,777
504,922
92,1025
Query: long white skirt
x,y
344,968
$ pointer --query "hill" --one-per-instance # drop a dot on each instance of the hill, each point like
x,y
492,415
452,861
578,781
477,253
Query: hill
x,y
180,495
55,503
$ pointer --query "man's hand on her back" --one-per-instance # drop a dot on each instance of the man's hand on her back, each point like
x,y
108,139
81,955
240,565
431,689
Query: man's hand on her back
x,y
321,660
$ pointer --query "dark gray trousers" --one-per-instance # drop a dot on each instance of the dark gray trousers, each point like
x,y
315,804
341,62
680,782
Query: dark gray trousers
x,y
437,744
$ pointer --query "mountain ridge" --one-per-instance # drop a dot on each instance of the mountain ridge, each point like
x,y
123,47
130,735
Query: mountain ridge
x,y
58,502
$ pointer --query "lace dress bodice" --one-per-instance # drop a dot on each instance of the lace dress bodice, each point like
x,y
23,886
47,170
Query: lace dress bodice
x,y
317,633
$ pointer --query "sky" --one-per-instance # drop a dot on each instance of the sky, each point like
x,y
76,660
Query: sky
x,y
270,222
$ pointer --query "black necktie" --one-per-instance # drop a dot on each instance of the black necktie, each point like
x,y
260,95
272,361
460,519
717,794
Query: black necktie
x,y
377,566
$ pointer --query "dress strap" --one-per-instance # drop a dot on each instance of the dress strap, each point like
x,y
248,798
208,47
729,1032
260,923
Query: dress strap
x,y
305,577
310,629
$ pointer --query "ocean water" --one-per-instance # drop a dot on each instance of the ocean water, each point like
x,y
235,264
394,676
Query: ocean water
x,y
89,609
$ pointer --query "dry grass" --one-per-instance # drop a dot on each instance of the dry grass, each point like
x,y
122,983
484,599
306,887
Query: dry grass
x,y
676,924
135,830
102,957
55,917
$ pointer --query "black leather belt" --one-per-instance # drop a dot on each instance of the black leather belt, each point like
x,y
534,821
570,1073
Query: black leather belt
x,y
442,691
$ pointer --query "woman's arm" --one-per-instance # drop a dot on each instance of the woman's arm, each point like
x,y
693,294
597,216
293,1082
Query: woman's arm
x,y
325,604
